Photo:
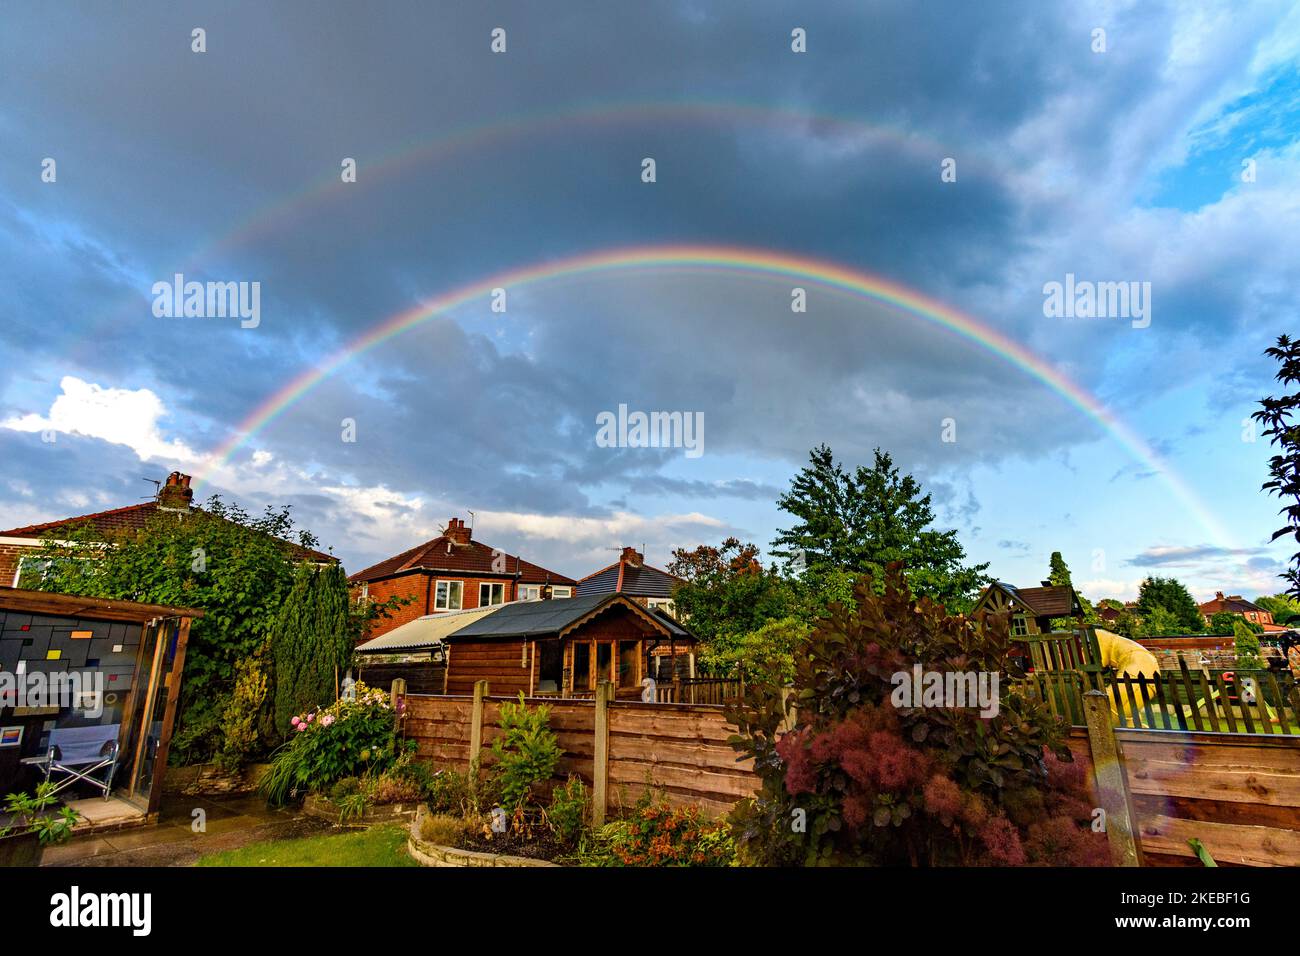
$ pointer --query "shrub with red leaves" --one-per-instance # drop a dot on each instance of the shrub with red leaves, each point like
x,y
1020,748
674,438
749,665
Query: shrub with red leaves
x,y
860,780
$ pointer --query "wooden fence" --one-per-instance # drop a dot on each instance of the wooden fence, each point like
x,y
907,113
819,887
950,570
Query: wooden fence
x,y
422,677
621,748
1238,794
1242,701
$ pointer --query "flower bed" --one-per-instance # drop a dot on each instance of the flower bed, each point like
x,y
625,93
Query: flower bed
x,y
500,815
434,854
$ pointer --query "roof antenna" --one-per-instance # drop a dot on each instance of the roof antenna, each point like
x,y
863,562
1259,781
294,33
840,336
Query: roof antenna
x,y
471,520
157,488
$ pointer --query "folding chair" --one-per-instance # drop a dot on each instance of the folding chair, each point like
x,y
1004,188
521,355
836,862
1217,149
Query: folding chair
x,y
77,753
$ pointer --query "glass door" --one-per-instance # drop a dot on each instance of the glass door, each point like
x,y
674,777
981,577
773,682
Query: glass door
x,y
153,677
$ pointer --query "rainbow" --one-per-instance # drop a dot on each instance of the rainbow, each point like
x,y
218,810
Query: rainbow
x,y
720,259
286,209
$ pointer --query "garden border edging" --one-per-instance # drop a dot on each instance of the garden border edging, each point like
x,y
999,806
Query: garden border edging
x,y
432,854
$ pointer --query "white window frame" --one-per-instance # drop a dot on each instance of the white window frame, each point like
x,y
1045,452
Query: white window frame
x,y
668,605
491,585
523,592
557,588
446,604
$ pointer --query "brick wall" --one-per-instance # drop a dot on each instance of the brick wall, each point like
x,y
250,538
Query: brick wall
x,y
9,555
421,585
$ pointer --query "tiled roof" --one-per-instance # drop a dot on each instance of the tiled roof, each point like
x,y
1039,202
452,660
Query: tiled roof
x,y
623,578
1233,603
475,558
134,518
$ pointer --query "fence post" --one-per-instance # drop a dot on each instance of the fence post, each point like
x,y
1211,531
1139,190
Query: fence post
x,y
397,692
1111,778
600,760
476,731
790,715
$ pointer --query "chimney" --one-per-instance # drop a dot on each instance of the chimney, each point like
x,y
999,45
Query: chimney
x,y
457,532
631,557
1218,595
175,494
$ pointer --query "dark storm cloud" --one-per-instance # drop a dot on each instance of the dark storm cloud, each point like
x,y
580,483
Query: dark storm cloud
x,y
165,155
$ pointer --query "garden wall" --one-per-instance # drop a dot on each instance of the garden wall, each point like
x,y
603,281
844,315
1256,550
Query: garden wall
x,y
681,749
1239,794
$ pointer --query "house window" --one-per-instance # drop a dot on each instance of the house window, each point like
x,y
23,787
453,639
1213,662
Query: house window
x,y
529,592
667,605
447,595
1019,626
561,591
490,594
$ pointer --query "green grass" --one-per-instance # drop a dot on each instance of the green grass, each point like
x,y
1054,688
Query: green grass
x,y
378,846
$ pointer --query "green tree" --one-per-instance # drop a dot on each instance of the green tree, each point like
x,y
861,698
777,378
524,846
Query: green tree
x,y
1247,647
312,641
1058,575
862,521
1058,572
1277,415
1182,615
1223,623
766,654
727,591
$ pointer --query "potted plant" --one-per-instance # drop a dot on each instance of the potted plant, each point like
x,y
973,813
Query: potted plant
x,y
33,825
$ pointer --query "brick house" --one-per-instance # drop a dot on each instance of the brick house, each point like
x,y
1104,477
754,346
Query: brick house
x,y
174,497
453,572
1236,604
632,577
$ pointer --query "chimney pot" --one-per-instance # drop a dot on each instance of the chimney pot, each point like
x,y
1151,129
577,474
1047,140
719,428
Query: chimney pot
x,y
457,532
176,492
633,557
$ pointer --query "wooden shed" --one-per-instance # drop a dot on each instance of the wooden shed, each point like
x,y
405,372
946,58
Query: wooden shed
x,y
565,647
91,686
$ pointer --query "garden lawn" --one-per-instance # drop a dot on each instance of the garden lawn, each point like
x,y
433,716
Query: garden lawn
x,y
378,846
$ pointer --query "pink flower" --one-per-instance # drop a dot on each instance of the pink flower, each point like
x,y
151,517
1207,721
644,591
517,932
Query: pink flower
x,y
296,721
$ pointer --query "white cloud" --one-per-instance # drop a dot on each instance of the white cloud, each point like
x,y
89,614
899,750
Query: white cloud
x,y
117,415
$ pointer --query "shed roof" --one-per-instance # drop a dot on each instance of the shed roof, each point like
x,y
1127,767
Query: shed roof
x,y
92,608
426,631
544,618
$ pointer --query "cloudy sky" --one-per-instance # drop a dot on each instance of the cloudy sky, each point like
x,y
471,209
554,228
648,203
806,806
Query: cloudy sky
x,y
1169,157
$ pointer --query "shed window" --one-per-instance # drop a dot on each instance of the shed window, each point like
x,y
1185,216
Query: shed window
x,y
581,666
1019,626
628,661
